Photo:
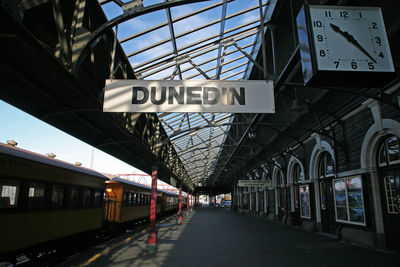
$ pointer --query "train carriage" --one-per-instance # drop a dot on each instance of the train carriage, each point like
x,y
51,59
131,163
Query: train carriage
x,y
48,204
129,201
43,199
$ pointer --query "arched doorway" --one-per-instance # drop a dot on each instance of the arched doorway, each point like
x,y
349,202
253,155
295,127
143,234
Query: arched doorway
x,y
388,162
326,172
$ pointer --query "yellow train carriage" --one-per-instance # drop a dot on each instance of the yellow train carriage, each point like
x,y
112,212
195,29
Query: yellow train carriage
x,y
170,201
128,201
43,199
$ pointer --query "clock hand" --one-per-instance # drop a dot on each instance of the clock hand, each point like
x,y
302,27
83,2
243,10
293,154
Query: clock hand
x,y
352,40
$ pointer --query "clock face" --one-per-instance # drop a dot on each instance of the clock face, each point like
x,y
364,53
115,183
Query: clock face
x,y
350,39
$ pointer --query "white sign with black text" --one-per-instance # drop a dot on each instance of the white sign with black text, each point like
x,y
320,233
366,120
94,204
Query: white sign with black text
x,y
189,96
254,183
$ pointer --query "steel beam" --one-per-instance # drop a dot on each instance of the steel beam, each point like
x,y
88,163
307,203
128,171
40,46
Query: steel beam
x,y
81,51
221,35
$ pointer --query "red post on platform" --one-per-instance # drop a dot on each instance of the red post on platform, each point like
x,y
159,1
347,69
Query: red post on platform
x,y
152,239
180,217
187,204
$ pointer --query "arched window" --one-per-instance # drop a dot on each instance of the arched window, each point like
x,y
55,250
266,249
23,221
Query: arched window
x,y
389,151
279,178
298,175
325,170
325,166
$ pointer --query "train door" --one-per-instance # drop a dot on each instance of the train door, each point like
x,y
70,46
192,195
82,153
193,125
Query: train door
x,y
389,184
110,201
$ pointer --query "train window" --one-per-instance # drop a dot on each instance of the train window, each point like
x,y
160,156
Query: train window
x,y
141,200
36,195
8,193
73,196
134,196
147,200
132,199
97,198
125,201
87,198
57,195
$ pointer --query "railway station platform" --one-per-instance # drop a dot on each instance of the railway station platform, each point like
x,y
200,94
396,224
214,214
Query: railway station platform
x,y
221,237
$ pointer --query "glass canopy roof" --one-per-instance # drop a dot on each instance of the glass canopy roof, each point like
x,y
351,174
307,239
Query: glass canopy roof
x,y
202,40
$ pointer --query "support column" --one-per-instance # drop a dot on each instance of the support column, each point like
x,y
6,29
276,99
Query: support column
x,y
191,206
257,200
276,201
250,199
242,198
152,239
265,201
187,203
180,217
293,197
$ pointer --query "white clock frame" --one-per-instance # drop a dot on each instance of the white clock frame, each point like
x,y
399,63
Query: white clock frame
x,y
344,45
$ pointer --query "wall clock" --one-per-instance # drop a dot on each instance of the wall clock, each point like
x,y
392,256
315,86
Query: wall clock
x,y
344,45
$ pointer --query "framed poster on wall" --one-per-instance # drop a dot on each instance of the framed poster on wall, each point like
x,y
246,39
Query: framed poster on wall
x,y
305,209
349,202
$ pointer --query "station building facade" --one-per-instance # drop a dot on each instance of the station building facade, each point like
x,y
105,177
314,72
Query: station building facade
x,y
349,186
343,179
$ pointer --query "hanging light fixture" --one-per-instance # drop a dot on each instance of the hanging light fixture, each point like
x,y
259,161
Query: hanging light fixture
x,y
252,133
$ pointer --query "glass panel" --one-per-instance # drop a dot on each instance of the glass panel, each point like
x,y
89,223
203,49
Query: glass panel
x,y
354,192
295,173
323,196
356,215
141,23
134,200
97,198
301,175
329,164
296,197
131,199
278,178
188,8
73,196
355,199
57,195
8,193
393,149
305,201
341,214
126,199
340,193
382,156
87,197
321,167
36,195
391,199
340,200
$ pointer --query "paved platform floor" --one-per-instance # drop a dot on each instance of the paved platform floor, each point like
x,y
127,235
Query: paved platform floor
x,y
220,237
